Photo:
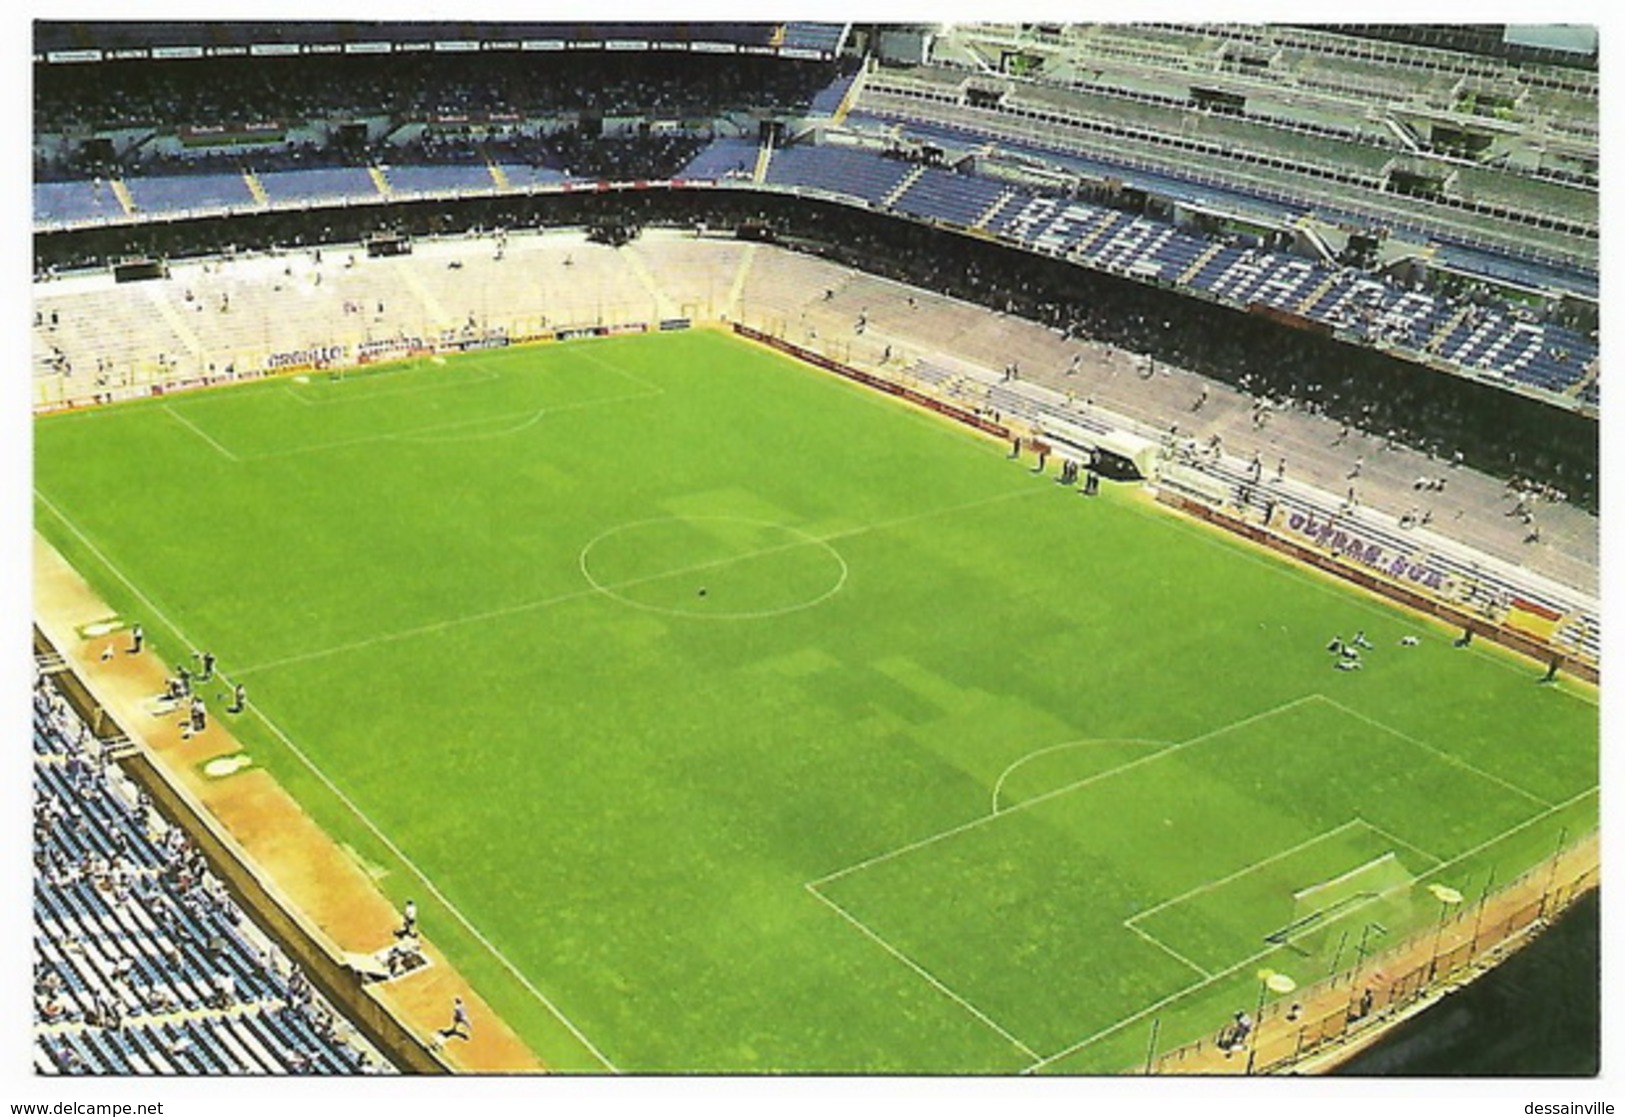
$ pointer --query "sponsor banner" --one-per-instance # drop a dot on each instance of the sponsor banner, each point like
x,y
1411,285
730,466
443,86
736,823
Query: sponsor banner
x,y
177,52
367,48
185,385
73,56
470,344
273,50
599,331
578,331
879,383
251,132
542,44
316,356
674,323
1533,618
1348,542
456,46
384,349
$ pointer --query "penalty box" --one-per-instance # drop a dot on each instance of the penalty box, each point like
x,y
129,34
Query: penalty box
x,y
1071,910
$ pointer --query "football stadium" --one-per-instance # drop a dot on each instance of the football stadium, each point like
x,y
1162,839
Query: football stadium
x,y
791,548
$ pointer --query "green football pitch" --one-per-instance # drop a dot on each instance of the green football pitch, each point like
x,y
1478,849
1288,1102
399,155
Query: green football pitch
x,y
724,716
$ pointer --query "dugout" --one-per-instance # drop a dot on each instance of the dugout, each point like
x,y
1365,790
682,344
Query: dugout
x,y
1115,455
1124,457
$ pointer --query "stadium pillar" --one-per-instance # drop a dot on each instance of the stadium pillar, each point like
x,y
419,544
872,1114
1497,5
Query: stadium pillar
x,y
1448,898
1551,877
1267,981
1354,978
1478,916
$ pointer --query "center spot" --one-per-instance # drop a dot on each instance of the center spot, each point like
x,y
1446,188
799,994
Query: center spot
x,y
720,567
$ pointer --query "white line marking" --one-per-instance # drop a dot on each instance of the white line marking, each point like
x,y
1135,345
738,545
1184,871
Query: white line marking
x,y
1239,873
1250,959
1063,790
473,436
200,432
1440,753
417,433
349,804
923,972
448,381
593,358
1381,833
802,539
1165,948
419,630
575,595
998,785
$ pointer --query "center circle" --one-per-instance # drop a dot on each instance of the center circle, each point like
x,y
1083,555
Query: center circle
x,y
713,567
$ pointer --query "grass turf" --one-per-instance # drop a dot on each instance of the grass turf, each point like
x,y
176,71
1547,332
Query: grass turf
x,y
743,720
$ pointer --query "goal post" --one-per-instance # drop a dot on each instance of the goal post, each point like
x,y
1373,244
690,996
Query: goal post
x,y
1317,907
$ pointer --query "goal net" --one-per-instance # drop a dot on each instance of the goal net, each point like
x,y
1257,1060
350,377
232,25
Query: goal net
x,y
1372,890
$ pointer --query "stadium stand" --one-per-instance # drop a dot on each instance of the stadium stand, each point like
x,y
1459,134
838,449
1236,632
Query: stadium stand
x,y
1454,296
182,194
865,176
724,157
143,962
1180,203
432,179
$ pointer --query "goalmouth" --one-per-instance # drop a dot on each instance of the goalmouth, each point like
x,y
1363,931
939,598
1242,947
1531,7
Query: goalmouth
x,y
1317,906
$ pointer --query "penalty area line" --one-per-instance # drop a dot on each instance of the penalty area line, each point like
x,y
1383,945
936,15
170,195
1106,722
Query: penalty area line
x,y
930,978
1164,947
1065,789
1194,987
1448,758
200,432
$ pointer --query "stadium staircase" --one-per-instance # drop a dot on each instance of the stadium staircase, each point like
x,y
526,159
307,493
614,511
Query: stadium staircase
x,y
1405,133
992,211
1202,260
256,187
498,175
437,310
646,278
850,98
764,159
898,191
1314,296
1316,240
1579,386
1446,328
122,193
380,180
1106,221
171,316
